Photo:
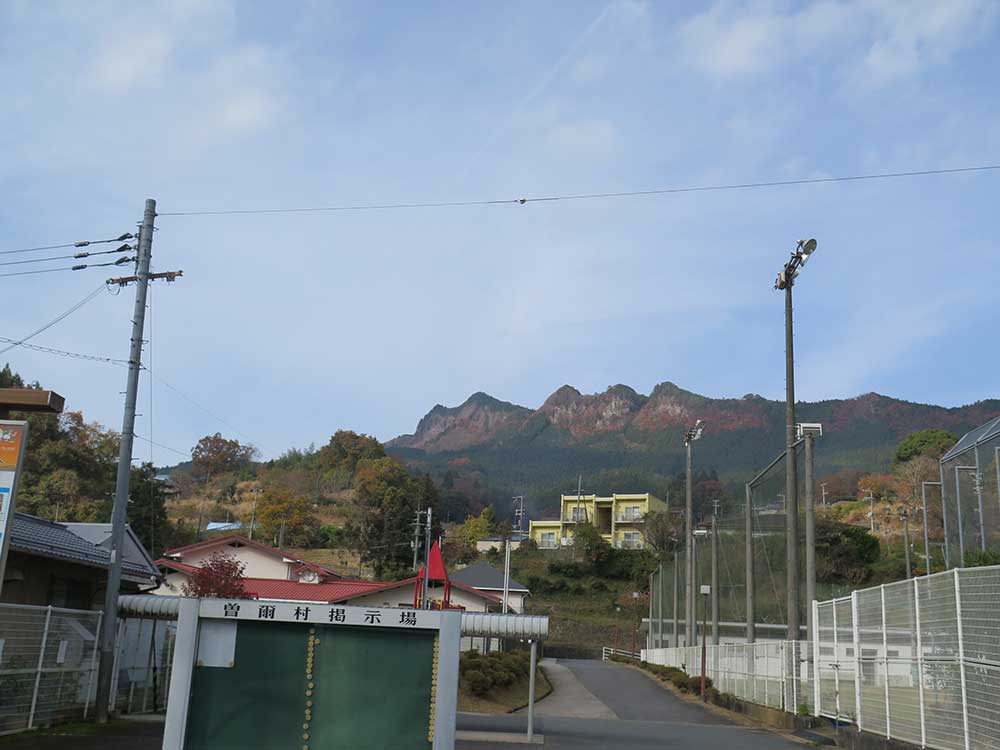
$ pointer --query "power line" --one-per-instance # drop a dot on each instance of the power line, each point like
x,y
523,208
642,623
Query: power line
x,y
122,249
186,397
186,454
81,243
61,352
120,262
586,196
56,319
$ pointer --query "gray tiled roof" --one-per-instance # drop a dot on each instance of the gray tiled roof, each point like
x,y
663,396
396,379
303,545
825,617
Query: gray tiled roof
x,y
135,556
484,576
38,536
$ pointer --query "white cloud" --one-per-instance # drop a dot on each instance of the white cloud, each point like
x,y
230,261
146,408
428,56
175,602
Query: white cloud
x,y
889,39
589,138
127,61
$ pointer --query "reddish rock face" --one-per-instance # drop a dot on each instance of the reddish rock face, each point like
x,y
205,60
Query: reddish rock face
x,y
581,415
475,422
483,420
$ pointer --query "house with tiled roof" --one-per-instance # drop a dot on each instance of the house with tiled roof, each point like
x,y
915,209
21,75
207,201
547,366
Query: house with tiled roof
x,y
66,564
265,567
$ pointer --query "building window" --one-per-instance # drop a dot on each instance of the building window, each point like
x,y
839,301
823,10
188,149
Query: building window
x,y
548,539
579,514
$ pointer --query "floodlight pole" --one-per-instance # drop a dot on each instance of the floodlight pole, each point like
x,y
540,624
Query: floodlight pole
x,y
751,624
689,613
810,534
791,475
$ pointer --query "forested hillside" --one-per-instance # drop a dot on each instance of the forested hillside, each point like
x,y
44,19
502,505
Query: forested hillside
x,y
623,441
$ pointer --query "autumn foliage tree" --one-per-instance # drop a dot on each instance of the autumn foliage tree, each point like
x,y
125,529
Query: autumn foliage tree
x,y
280,504
219,577
215,455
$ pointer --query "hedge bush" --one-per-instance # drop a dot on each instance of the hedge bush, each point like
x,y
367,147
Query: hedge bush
x,y
481,673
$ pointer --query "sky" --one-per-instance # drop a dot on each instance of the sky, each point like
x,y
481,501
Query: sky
x,y
289,326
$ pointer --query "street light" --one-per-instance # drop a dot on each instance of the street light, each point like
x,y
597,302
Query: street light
x,y
690,435
786,279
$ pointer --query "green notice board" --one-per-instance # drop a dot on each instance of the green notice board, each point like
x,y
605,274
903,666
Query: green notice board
x,y
369,689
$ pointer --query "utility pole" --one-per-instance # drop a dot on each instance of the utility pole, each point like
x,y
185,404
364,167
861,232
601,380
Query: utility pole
x,y
904,514
519,516
425,604
690,616
715,578
417,524
506,575
253,514
807,436
677,582
749,562
109,623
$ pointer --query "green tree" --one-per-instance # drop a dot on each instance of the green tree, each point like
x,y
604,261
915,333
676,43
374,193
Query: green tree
x,y
663,532
381,526
932,442
147,511
589,545
280,504
844,553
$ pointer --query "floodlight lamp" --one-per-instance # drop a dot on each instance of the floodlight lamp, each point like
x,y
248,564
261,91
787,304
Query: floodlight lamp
x,y
808,247
700,533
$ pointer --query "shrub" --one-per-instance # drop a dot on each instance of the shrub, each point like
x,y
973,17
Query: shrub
x,y
679,680
694,683
477,682
713,695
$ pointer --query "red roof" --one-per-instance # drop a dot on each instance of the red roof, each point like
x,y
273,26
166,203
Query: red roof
x,y
412,581
229,538
335,591
174,565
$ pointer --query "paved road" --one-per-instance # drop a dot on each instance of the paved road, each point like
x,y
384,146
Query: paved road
x,y
648,717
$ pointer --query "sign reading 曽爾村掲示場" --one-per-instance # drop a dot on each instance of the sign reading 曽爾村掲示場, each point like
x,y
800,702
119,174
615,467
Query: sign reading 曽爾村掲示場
x,y
13,438
320,613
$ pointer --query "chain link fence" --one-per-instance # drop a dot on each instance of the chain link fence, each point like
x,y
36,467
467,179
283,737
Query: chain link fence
x,y
777,674
969,515
48,665
49,659
916,660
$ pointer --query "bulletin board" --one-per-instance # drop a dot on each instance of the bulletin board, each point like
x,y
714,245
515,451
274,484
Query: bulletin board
x,y
337,677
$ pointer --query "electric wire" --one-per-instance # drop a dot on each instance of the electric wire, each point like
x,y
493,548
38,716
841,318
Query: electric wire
x,y
120,262
121,249
58,318
186,454
587,196
207,411
81,243
62,352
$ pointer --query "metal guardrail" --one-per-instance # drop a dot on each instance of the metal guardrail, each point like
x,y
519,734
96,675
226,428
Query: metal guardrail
x,y
607,653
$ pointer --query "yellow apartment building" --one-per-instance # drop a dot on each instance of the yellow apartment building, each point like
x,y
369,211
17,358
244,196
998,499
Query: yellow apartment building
x,y
619,518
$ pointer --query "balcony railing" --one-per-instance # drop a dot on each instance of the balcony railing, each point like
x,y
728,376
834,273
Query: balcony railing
x,y
630,517
548,545
628,544
571,518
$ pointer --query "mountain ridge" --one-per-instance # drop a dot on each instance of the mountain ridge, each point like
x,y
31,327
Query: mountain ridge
x,y
488,449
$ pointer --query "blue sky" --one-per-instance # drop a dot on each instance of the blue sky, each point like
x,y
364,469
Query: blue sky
x,y
290,326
